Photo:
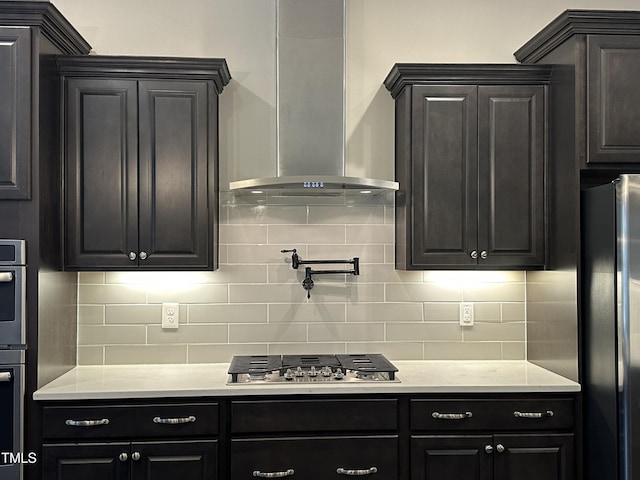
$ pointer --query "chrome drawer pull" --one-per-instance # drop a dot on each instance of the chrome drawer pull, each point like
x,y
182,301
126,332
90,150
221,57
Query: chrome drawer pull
x,y
286,473
87,423
174,421
548,413
5,376
452,416
368,471
6,277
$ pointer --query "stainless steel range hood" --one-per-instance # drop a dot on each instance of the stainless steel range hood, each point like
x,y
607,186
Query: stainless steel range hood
x,y
310,109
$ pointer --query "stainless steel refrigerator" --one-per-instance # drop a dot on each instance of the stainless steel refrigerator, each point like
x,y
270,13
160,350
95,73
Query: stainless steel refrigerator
x,y
610,322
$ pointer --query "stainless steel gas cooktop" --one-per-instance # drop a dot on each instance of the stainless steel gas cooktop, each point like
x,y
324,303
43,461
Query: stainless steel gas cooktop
x,y
287,369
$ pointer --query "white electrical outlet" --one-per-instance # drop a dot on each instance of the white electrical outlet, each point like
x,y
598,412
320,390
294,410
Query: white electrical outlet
x,y
466,314
170,315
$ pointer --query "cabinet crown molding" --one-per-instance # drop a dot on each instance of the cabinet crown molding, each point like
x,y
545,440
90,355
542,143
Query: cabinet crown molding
x,y
132,67
403,74
578,22
48,18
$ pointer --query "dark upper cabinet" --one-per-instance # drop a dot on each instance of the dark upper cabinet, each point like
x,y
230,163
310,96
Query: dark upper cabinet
x,y
470,160
596,102
141,162
15,114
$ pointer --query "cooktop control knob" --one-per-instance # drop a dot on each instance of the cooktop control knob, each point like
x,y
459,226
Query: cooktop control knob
x,y
326,371
288,375
299,373
338,375
312,372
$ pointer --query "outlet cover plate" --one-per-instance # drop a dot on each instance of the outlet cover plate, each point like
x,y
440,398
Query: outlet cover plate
x,y
170,315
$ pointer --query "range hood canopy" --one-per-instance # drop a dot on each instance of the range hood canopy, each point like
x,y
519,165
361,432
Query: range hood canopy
x,y
310,105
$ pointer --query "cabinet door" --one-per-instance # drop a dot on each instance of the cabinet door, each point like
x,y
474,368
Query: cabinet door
x,y
435,457
613,105
101,173
106,461
511,226
15,114
175,227
534,457
318,458
174,460
444,216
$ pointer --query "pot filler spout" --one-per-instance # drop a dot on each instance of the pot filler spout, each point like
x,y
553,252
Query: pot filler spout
x,y
310,104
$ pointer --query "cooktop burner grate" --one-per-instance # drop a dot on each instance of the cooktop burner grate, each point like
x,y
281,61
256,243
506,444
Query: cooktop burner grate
x,y
311,368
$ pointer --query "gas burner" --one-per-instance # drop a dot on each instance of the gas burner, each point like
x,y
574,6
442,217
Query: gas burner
x,y
309,369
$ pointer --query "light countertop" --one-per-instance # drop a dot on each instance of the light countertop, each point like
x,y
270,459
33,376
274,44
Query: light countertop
x,y
210,380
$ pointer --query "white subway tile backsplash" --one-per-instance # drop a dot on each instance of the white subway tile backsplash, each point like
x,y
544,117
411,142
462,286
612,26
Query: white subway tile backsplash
x,y
314,234
144,354
351,332
306,312
384,312
104,335
366,253
363,234
347,214
134,314
423,292
189,334
196,293
255,304
424,331
226,313
275,332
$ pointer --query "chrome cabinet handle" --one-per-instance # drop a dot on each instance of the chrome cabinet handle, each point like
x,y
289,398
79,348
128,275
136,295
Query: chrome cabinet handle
x,y
452,416
488,448
484,254
367,471
286,473
123,457
6,277
548,413
143,255
500,448
87,423
174,421
132,256
135,456
474,254
5,376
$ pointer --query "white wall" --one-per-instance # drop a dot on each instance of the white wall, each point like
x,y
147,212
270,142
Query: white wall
x,y
379,34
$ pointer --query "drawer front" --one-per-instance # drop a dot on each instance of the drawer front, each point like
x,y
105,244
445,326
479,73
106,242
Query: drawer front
x,y
143,421
481,414
318,458
314,416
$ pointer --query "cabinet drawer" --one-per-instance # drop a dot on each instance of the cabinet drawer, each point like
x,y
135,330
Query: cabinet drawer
x,y
109,421
314,415
317,458
488,414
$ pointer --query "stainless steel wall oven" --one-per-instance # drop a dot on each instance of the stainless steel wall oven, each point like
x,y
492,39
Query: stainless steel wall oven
x,y
12,356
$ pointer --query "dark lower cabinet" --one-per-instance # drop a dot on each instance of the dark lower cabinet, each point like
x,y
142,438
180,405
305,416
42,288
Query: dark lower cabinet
x,y
193,460
315,458
313,437
493,457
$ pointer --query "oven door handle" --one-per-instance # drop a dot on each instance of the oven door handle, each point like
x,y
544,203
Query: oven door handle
x,y
6,277
5,376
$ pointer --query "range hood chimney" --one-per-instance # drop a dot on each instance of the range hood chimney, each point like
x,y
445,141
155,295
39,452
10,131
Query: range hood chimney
x,y
310,104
